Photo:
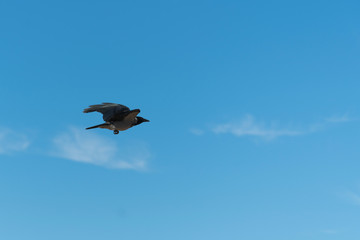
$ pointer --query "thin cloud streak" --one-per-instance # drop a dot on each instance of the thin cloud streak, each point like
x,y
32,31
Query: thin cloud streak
x,y
248,127
86,147
339,119
11,141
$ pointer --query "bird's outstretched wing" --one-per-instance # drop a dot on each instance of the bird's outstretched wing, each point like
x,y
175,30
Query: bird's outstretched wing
x,y
111,111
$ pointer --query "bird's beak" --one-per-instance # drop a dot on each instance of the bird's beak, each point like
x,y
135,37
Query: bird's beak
x,y
145,120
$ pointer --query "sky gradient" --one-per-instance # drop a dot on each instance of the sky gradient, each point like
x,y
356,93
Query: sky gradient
x,y
254,110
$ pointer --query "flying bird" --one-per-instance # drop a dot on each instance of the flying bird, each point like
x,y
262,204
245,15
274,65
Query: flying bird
x,y
117,117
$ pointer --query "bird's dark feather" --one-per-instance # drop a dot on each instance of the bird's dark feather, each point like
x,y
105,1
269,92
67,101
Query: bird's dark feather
x,y
112,111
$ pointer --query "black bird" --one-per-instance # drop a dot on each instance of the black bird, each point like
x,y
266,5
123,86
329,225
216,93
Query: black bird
x,y
117,117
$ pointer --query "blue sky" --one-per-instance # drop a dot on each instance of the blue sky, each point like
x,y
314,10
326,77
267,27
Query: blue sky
x,y
254,109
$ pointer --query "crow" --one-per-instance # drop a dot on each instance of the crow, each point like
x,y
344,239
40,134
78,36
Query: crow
x,y
117,117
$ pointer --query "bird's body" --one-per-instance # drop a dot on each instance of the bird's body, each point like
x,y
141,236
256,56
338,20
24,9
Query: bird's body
x,y
117,117
123,125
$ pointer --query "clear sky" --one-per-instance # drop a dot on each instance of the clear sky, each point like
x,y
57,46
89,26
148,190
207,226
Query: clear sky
x,y
254,109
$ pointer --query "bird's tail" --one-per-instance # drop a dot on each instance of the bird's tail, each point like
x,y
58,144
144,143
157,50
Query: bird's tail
x,y
103,125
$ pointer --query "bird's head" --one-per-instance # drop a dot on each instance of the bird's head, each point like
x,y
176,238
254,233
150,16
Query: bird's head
x,y
141,120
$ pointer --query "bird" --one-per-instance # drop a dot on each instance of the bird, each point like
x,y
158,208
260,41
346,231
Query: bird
x,y
117,117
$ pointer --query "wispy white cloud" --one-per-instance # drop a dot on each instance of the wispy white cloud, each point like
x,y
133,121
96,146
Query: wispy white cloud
x,y
249,127
12,141
339,119
197,131
330,231
353,197
86,147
